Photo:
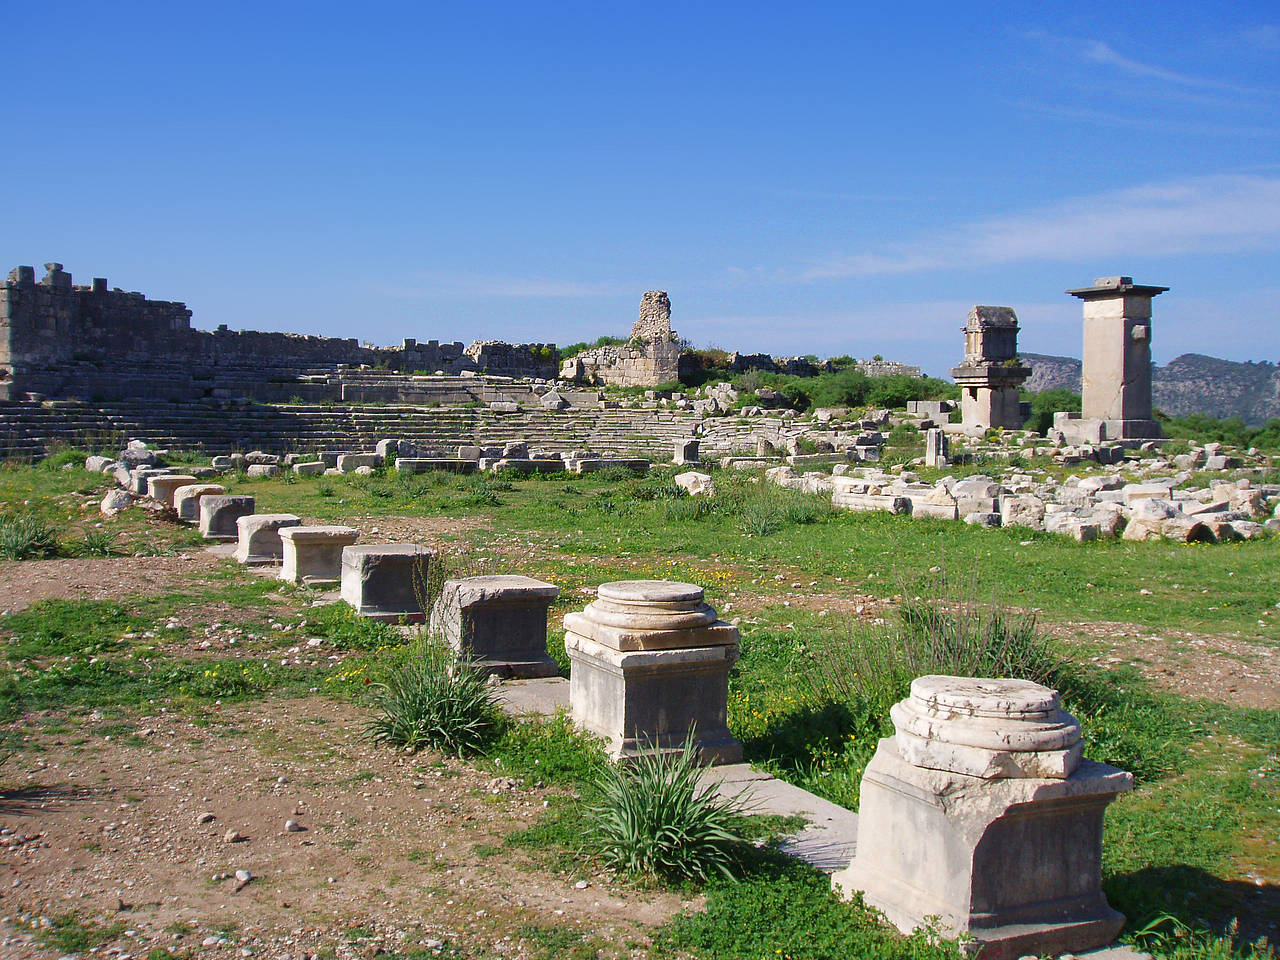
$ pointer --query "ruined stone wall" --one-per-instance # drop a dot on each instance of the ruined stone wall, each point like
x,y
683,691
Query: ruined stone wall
x,y
654,322
500,359
59,339
650,357
631,365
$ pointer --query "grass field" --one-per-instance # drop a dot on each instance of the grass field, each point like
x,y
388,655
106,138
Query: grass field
x,y
1193,849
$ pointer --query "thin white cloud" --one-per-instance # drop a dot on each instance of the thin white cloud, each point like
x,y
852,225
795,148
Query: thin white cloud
x,y
1100,52
1216,214
1151,122
448,285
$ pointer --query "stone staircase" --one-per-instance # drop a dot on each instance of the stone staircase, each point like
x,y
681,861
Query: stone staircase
x,y
29,429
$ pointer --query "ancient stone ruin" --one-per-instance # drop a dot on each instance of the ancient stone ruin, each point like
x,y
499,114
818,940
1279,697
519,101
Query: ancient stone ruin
x,y
1116,372
96,343
990,374
651,664
650,357
981,812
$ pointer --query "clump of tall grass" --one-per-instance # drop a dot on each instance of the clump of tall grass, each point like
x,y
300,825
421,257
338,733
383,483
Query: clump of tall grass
x,y
767,509
433,701
655,819
948,631
26,537
484,492
95,543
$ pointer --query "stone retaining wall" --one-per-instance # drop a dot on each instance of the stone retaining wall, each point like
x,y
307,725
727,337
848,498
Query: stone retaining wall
x,y
62,340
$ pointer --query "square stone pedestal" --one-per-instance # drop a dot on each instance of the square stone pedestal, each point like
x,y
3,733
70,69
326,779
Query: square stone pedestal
x,y
163,486
498,624
650,666
386,581
259,535
140,478
219,513
186,500
313,555
1014,863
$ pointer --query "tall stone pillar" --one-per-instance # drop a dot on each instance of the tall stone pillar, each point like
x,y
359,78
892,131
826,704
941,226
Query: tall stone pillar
x,y
990,374
1116,369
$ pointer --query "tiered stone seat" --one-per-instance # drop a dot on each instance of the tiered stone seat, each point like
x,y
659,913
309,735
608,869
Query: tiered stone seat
x,y
28,429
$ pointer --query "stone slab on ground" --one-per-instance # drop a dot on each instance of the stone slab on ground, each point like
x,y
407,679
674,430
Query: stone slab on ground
x,y
826,842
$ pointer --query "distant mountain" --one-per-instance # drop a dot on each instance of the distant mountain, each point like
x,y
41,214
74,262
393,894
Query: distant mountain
x,y
1191,383
1051,373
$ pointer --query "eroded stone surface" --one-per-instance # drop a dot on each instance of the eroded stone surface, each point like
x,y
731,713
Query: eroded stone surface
x,y
987,728
651,665
386,581
313,554
498,624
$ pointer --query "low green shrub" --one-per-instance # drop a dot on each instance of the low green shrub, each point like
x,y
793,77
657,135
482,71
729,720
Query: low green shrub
x,y
57,459
432,701
95,543
655,820
761,517
25,537
346,630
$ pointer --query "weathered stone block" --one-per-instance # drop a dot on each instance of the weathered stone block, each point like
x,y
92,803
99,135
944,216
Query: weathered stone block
x,y
981,812
1024,511
162,488
312,556
350,462
698,484
686,451
219,513
186,500
413,465
651,665
498,624
259,537
140,477
386,581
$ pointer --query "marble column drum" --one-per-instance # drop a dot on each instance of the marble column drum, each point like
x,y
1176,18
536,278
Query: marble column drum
x,y
650,664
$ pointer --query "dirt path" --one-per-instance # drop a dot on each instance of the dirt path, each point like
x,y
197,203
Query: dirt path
x,y
25,582
396,852
1225,669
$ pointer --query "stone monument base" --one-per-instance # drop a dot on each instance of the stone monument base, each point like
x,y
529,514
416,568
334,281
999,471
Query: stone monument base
x,y
1012,863
626,697
1077,429
498,624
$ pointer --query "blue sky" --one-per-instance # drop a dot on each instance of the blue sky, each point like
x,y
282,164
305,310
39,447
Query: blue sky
x,y
802,178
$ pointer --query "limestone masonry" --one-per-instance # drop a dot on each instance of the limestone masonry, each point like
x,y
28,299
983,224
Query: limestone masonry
x,y
95,343
650,357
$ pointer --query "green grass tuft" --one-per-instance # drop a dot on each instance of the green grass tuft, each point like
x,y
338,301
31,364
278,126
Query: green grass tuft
x,y
433,701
